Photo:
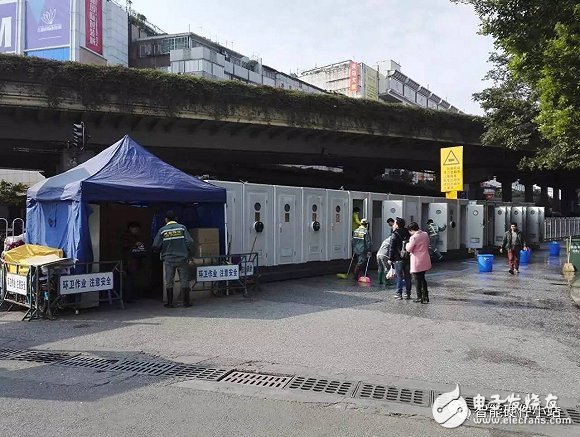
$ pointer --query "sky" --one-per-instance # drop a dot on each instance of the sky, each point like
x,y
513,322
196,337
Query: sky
x,y
435,41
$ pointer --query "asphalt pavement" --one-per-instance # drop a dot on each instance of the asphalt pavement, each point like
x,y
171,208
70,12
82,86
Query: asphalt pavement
x,y
488,332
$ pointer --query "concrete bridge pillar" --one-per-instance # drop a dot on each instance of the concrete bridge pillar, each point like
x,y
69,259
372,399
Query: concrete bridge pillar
x,y
475,191
556,205
544,198
569,203
529,193
506,187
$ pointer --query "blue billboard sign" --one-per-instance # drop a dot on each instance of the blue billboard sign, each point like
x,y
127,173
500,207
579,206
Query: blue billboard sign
x,y
47,23
7,27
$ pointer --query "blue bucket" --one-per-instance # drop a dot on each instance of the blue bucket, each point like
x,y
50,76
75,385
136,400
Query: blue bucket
x,y
525,256
485,263
554,248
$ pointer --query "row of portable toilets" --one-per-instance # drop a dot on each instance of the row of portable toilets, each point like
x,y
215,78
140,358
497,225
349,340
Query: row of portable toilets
x,y
294,225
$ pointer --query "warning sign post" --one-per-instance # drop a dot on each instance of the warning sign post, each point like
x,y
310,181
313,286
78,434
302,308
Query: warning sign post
x,y
452,169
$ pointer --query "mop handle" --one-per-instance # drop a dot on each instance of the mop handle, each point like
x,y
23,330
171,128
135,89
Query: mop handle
x,y
368,259
350,265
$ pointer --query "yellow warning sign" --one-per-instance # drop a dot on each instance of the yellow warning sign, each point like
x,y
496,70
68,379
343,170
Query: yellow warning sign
x,y
451,169
451,195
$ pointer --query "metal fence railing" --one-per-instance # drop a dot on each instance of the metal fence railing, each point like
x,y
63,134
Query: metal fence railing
x,y
559,228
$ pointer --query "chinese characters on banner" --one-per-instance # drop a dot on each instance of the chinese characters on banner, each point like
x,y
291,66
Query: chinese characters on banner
x,y
94,25
16,284
218,273
74,284
353,76
451,169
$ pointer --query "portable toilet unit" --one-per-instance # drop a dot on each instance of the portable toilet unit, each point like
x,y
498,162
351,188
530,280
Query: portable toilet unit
x,y
234,215
439,213
462,222
412,209
474,225
359,199
377,220
501,222
518,216
424,202
533,224
288,219
541,218
259,224
453,222
391,209
314,224
338,228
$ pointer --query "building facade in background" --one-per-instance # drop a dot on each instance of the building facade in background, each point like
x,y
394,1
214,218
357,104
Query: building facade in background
x,y
89,31
385,83
189,53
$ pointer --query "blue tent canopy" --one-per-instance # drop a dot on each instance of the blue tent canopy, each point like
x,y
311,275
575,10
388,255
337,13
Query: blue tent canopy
x,y
57,208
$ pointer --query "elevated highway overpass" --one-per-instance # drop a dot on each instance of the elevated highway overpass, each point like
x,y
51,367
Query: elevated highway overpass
x,y
228,129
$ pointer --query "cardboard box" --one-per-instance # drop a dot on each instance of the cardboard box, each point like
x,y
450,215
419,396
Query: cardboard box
x,y
205,235
207,249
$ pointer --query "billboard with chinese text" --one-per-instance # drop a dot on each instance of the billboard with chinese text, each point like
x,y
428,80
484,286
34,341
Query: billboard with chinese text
x,y
94,25
47,23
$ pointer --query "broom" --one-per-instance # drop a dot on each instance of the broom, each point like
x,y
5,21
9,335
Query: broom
x,y
365,279
568,266
345,275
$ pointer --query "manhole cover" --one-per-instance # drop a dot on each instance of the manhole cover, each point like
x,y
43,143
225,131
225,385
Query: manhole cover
x,y
321,385
395,394
7,353
41,357
573,414
143,367
197,372
89,362
257,379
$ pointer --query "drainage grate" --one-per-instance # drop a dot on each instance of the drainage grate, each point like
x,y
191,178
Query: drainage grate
x,y
395,394
143,367
197,372
89,362
321,385
257,379
5,354
41,356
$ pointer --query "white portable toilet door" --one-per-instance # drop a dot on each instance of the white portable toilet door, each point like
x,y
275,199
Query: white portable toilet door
x,y
287,236
518,217
501,223
475,226
339,230
438,213
314,227
391,209
257,222
532,224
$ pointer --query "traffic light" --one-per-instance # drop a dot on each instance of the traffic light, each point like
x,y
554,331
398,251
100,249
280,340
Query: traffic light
x,y
79,136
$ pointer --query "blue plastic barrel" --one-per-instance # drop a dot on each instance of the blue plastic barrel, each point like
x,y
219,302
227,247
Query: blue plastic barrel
x,y
525,256
485,263
554,248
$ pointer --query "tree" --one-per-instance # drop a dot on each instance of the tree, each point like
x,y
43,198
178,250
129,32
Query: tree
x,y
536,97
12,194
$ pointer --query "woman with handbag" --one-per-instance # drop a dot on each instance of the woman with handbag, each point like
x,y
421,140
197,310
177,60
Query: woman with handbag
x,y
418,247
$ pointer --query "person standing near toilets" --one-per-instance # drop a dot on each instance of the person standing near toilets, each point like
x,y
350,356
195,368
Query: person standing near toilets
x,y
418,247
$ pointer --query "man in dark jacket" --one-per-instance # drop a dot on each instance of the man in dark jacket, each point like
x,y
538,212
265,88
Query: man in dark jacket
x,y
175,244
513,241
402,266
